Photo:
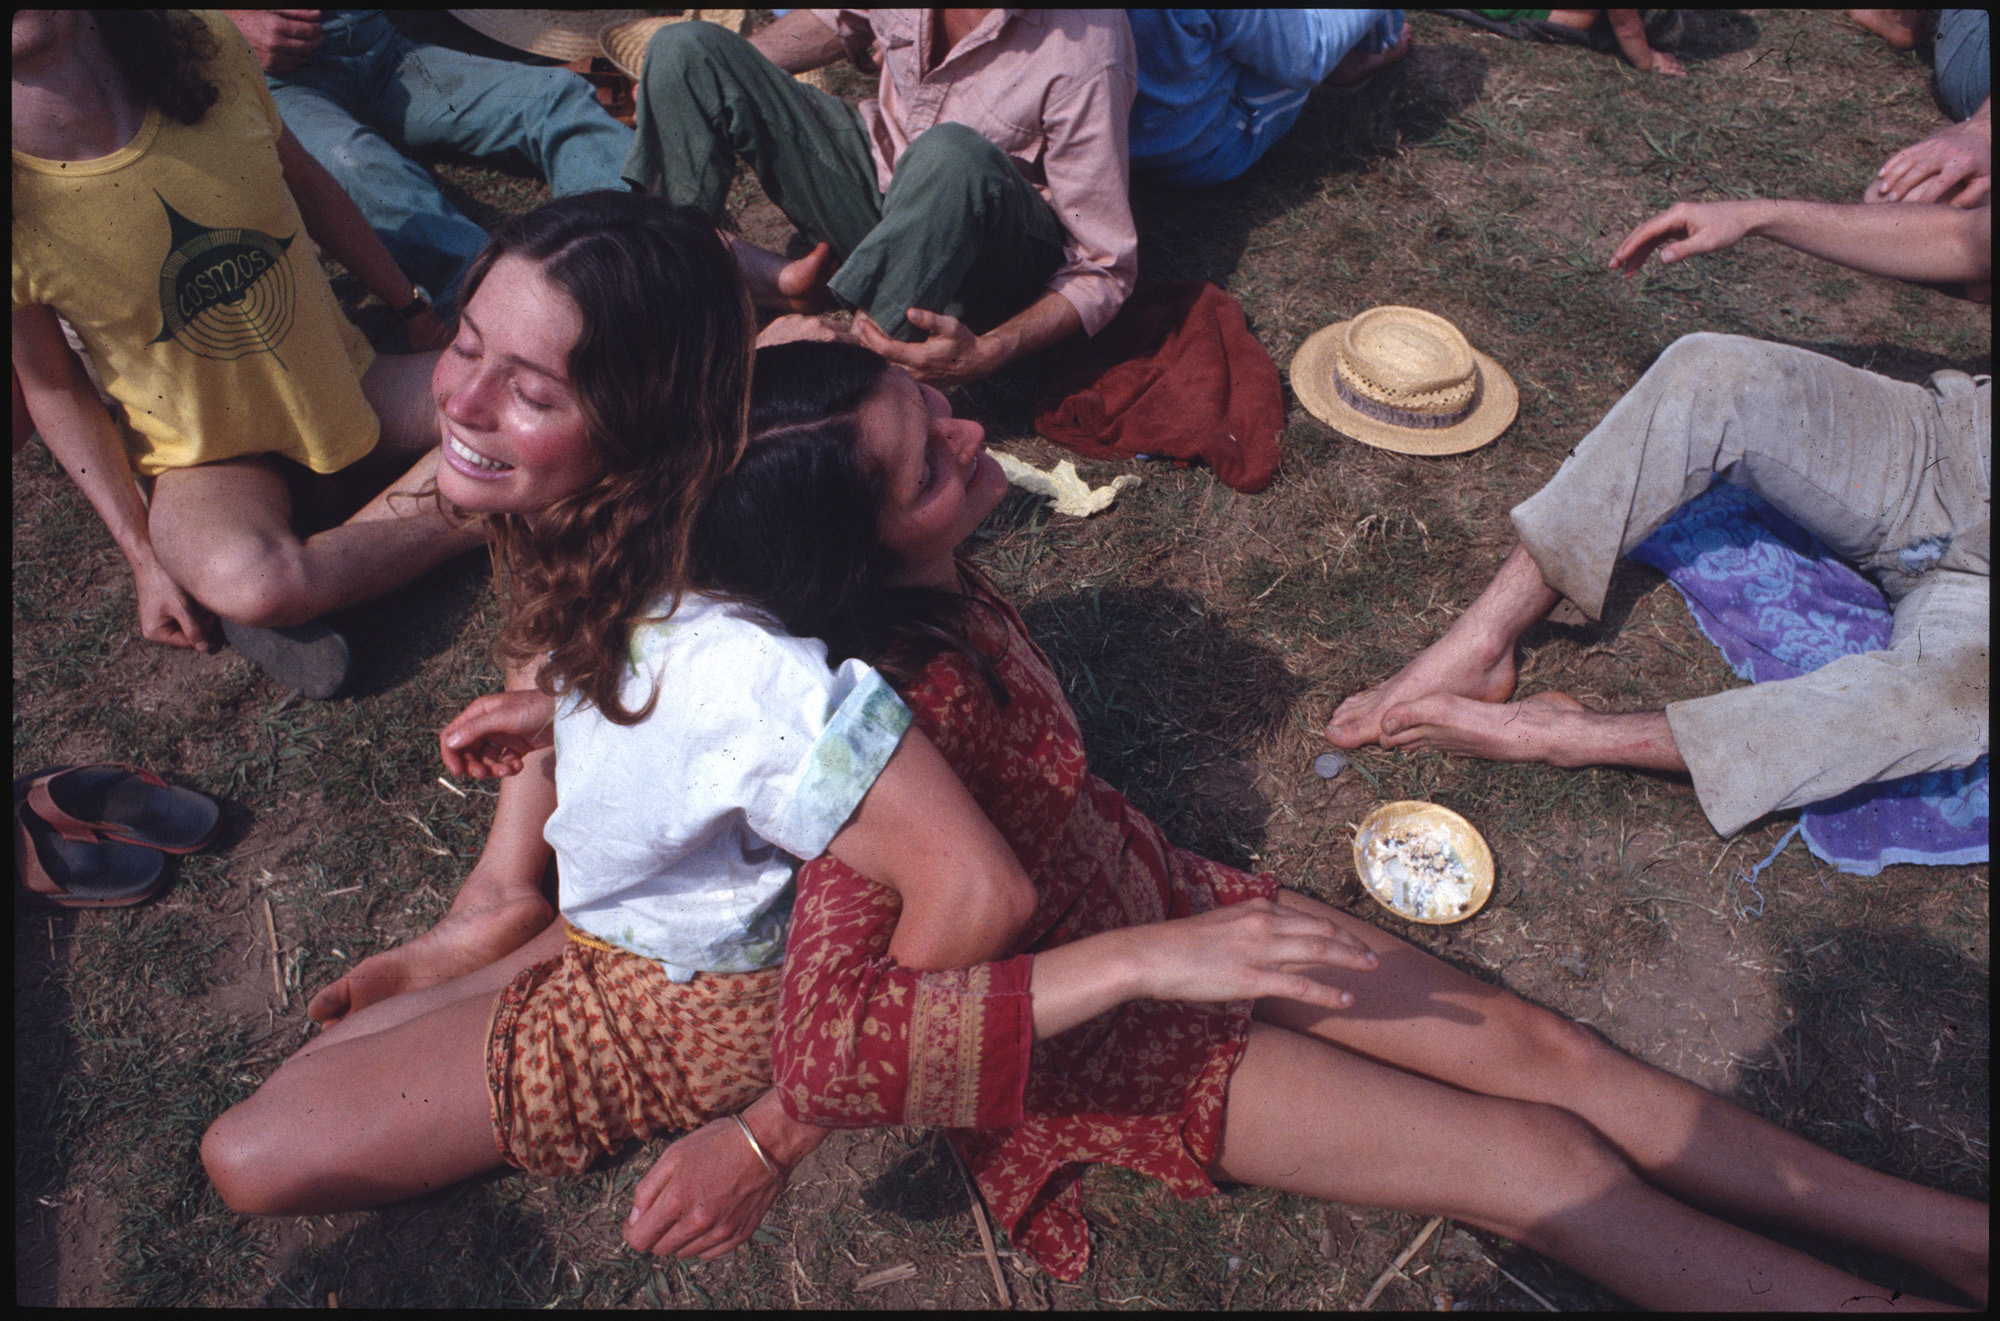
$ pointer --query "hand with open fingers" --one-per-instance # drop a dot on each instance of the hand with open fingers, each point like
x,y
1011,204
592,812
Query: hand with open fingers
x,y
491,736
1682,230
704,1196
949,355
1248,951
167,614
1953,166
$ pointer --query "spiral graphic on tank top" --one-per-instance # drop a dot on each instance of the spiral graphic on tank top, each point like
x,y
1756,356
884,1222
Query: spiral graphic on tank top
x,y
225,293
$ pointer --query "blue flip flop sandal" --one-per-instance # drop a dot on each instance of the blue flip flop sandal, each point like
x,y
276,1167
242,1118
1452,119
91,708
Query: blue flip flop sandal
x,y
81,875
116,803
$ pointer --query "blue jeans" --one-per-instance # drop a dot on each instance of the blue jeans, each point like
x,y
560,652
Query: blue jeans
x,y
1964,55
369,92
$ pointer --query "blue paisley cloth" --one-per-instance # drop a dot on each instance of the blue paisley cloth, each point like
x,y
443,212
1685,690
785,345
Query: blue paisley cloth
x,y
1778,603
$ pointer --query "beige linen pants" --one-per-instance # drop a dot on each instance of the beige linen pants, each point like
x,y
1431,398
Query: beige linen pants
x,y
1894,477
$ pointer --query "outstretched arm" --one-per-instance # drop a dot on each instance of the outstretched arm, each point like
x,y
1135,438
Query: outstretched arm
x,y
1909,242
79,432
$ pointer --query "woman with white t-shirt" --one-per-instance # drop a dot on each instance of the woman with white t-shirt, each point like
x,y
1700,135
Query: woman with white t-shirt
x,y
702,754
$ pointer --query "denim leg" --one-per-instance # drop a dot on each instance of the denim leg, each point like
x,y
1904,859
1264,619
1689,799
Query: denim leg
x,y
428,237
434,96
1964,54
962,233
330,107
708,97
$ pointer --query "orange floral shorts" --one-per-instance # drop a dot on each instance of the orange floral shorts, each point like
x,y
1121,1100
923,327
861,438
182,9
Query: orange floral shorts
x,y
597,1046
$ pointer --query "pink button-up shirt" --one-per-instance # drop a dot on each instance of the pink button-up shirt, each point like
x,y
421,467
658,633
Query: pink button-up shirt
x,y
1053,89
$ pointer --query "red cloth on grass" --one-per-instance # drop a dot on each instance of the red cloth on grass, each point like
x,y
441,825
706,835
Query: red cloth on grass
x,y
1178,374
862,1041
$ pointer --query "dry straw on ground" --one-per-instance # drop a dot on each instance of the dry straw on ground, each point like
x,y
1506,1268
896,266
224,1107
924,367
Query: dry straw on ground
x,y
1204,637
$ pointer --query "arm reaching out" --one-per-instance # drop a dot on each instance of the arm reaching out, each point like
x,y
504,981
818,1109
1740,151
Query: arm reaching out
x,y
1908,242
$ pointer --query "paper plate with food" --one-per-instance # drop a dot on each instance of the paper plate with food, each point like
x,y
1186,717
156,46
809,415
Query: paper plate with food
x,y
1423,862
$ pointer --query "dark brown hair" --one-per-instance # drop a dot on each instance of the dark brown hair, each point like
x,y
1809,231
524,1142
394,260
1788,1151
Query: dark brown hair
x,y
794,529
661,373
164,56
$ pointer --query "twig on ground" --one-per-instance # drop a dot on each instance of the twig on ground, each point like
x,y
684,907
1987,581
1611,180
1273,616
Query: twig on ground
x,y
1518,1285
887,1275
985,1234
1396,1266
277,960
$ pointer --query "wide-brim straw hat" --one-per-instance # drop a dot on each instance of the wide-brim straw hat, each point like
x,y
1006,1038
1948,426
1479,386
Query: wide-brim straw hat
x,y
1403,379
558,34
624,43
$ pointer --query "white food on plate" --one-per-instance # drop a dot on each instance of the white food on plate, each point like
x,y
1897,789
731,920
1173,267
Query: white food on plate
x,y
1422,875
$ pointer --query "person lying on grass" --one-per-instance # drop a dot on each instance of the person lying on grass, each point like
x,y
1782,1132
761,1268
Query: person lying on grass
x,y
597,386
1892,476
1175,1016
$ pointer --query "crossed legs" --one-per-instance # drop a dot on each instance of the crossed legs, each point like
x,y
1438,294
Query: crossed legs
x,y
1445,1095
224,531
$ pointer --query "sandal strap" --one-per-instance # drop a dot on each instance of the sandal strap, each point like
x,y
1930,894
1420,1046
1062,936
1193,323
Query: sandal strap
x,y
78,831
28,862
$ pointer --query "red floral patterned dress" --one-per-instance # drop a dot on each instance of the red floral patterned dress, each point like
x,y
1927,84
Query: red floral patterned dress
x,y
861,1041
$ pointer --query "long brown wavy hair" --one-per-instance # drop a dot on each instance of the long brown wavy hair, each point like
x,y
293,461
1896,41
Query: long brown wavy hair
x,y
661,374
163,55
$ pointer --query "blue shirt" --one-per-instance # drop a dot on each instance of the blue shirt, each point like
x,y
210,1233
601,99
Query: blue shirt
x,y
1218,86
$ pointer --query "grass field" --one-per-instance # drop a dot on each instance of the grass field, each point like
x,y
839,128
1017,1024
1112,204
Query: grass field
x,y
1204,637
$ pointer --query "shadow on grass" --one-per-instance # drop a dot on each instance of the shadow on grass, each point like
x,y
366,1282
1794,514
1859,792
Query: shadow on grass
x,y
1173,703
1202,234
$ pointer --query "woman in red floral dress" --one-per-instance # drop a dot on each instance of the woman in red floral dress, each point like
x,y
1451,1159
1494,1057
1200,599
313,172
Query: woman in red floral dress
x,y
1184,1019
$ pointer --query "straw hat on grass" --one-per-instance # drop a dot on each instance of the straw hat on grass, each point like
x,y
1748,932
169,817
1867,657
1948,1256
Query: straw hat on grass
x,y
1403,379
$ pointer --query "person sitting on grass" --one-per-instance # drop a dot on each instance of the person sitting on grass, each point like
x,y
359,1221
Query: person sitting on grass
x,y
1892,476
154,210
581,426
971,214
1219,87
1626,27
1175,1016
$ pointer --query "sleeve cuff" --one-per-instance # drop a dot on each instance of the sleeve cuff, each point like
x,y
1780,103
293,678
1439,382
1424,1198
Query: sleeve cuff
x,y
842,766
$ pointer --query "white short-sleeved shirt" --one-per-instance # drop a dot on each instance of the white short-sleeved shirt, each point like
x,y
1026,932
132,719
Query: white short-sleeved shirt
x,y
676,838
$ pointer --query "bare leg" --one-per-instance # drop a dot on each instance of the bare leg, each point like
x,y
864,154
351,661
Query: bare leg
x,y
224,530
1535,1173
777,285
388,1105
500,907
1417,1013
1552,727
1475,657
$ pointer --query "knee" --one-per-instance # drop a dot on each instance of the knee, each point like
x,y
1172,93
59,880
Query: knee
x,y
950,156
236,1152
1556,1167
264,587
1709,358
678,48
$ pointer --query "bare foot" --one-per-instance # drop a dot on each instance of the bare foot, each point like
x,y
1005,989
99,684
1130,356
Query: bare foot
x,y
465,941
802,283
1528,730
1899,27
1453,665
1358,66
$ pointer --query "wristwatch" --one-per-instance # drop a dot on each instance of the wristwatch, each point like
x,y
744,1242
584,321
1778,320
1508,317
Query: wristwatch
x,y
418,305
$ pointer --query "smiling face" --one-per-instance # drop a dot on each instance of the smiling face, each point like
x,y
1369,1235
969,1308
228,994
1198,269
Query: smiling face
x,y
514,434
938,482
